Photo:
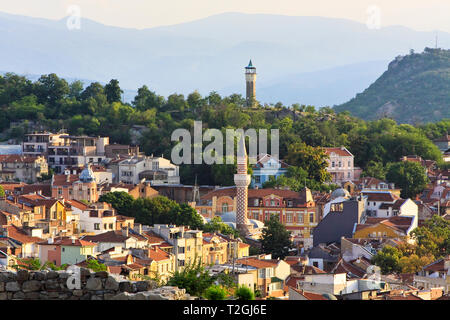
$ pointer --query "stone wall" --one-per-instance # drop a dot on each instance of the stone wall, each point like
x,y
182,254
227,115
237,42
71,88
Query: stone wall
x,y
52,285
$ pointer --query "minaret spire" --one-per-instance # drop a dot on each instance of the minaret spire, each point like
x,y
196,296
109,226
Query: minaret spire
x,y
242,180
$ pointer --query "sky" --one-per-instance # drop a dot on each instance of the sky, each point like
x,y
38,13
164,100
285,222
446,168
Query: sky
x,y
424,15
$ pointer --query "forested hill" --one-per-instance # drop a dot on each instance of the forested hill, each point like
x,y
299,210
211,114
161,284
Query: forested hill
x,y
415,88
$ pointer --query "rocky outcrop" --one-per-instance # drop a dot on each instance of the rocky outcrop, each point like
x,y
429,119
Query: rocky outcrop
x,y
62,285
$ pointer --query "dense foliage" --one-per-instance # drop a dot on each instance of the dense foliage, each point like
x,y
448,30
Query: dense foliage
x,y
275,238
244,293
415,88
432,243
158,210
408,176
52,103
162,210
215,292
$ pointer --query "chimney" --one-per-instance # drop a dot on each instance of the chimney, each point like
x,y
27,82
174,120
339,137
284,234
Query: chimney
x,y
50,240
125,231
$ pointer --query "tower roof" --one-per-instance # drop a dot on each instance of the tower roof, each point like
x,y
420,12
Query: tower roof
x,y
250,65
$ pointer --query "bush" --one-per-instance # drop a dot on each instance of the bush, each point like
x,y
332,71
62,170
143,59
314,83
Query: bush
x,y
215,293
244,293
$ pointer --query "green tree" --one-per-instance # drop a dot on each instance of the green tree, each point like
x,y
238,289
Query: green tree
x,y
194,278
96,266
244,293
216,225
409,176
310,159
388,260
121,201
50,88
215,292
275,238
433,238
113,91
146,99
2,192
375,169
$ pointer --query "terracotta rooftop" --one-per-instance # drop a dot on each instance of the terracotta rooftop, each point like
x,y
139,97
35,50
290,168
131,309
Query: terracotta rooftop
x,y
257,263
15,158
66,241
339,151
18,234
63,180
309,295
380,196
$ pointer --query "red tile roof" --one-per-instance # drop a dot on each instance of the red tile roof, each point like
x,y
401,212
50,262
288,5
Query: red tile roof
x,y
20,235
157,254
253,262
66,241
63,180
310,295
339,151
252,193
15,158
380,196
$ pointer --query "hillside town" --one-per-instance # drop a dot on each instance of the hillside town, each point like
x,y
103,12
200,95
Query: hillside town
x,y
53,213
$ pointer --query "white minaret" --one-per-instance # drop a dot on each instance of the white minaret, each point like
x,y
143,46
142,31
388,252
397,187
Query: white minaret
x,y
242,180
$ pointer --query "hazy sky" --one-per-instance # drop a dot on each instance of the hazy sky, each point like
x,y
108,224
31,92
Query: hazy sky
x,y
417,14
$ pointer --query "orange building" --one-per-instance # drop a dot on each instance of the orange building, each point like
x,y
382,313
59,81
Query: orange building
x,y
296,210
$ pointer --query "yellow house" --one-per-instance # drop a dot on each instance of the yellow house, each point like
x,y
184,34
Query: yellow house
x,y
395,227
214,249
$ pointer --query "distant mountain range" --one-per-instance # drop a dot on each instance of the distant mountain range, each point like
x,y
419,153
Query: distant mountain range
x,y
415,88
309,60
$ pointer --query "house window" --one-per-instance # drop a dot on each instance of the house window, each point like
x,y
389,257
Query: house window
x,y
257,179
289,203
110,225
63,249
311,217
272,202
348,174
332,164
256,202
289,217
225,207
105,226
96,226
300,217
349,164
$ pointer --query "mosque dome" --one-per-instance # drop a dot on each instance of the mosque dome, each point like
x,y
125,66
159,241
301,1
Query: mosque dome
x,y
338,193
87,175
229,218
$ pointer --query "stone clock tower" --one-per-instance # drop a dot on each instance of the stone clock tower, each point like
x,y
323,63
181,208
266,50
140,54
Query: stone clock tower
x,y
250,79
